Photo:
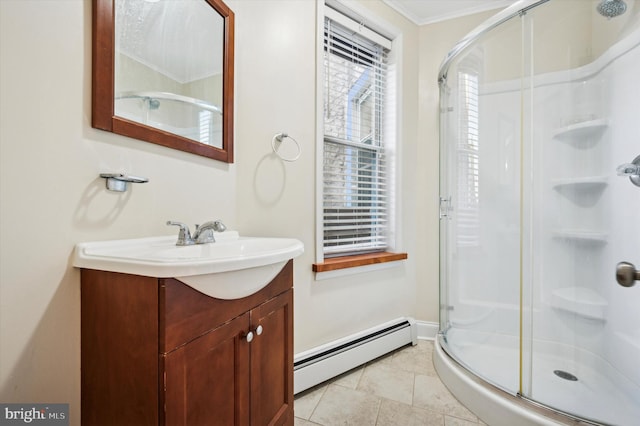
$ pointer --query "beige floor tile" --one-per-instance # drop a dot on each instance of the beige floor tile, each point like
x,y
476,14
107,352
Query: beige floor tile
x,y
306,402
349,379
417,359
343,406
398,389
302,422
387,382
394,413
430,393
454,421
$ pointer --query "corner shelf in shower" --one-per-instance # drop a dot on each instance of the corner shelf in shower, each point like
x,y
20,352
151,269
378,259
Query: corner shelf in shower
x,y
580,301
590,183
581,236
582,130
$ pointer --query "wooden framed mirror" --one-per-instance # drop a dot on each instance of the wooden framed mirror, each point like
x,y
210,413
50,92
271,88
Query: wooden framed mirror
x,y
163,73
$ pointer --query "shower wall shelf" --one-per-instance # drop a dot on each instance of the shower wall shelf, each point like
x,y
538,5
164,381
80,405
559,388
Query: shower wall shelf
x,y
581,130
590,183
581,236
580,301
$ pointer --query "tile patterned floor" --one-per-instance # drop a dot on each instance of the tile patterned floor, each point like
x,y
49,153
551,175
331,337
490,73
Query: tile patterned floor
x,y
401,388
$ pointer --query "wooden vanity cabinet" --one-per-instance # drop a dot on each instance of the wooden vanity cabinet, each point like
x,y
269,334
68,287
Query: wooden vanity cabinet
x,y
156,351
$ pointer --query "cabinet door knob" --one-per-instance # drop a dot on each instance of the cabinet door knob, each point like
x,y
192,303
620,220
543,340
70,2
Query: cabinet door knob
x,y
249,336
259,330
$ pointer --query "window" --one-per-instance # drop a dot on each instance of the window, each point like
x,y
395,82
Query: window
x,y
468,226
357,169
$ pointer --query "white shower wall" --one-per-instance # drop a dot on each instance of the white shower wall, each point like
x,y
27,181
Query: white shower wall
x,y
583,220
623,328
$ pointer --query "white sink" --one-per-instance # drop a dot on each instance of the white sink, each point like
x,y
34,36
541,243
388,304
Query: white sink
x,y
231,268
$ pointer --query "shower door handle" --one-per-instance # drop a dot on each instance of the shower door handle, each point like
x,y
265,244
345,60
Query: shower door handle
x,y
445,207
627,274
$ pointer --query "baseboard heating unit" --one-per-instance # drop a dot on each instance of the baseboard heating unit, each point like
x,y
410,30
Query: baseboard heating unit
x,y
319,364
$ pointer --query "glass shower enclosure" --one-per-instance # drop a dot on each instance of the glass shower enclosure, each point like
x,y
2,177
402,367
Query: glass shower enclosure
x,y
540,206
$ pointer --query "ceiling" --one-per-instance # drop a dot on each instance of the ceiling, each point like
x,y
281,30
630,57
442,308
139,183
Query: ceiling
x,y
161,35
429,11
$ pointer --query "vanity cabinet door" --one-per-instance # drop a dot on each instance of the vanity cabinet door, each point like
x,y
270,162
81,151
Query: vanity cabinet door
x,y
207,380
272,362
155,351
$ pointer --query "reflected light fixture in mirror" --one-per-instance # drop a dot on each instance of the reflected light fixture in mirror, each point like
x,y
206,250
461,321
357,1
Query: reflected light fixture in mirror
x,y
163,73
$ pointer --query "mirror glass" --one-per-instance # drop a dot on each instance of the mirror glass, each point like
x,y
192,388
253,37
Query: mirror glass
x,y
172,73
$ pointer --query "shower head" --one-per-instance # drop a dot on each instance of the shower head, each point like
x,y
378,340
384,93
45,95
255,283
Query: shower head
x,y
611,8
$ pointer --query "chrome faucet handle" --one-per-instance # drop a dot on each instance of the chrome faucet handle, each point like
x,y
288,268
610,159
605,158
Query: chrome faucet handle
x,y
632,170
628,169
184,236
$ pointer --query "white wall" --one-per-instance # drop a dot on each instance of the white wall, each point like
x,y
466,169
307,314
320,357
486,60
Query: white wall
x,y
276,72
52,198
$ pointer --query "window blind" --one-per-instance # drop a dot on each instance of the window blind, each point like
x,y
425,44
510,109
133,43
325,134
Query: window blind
x,y
468,221
355,172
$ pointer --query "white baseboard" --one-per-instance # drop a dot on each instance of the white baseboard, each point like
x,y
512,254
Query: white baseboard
x,y
427,330
324,362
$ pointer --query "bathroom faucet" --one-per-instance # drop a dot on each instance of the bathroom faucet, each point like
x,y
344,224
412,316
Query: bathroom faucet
x,y
203,233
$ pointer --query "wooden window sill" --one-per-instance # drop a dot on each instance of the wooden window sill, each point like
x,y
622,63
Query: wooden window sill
x,y
343,262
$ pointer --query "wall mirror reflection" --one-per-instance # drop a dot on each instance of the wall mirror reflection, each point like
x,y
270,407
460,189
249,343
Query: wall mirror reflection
x,y
163,73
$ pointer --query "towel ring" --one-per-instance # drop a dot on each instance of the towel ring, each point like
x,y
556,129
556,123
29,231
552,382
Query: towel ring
x,y
280,137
